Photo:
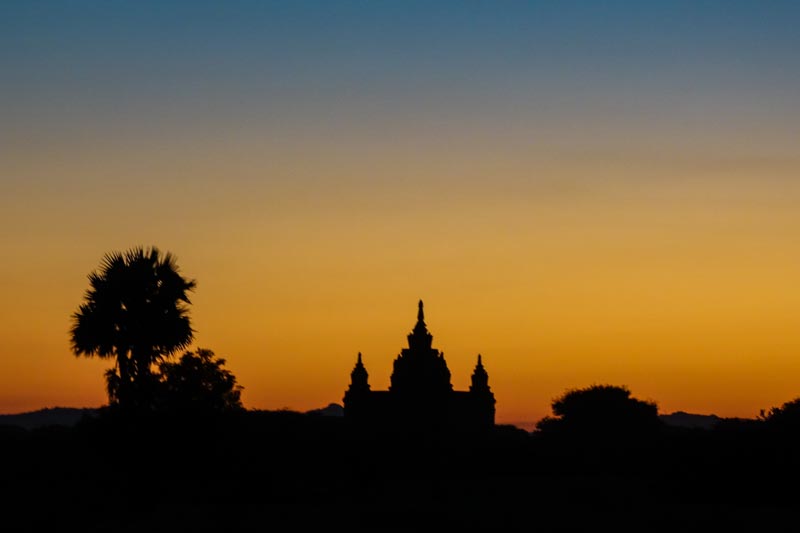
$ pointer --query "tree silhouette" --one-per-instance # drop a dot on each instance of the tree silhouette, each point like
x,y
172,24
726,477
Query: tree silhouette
x,y
600,410
785,418
135,311
198,383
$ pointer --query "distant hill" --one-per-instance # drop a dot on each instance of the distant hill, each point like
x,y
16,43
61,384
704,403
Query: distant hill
x,y
332,409
50,416
690,420
69,416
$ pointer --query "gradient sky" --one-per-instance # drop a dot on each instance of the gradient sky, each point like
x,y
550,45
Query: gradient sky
x,y
582,192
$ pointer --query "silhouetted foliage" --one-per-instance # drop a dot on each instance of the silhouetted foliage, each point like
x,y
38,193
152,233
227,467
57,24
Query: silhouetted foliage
x,y
135,311
287,470
600,410
785,418
198,383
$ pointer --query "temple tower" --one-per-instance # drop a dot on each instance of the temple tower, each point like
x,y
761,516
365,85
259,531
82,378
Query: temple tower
x,y
420,370
420,396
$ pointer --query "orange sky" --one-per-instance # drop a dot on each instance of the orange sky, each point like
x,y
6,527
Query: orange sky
x,y
611,205
681,289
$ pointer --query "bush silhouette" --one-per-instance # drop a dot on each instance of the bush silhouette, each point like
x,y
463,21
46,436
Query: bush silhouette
x,y
784,419
198,383
600,410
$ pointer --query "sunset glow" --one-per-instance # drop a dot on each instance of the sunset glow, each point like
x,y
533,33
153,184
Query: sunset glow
x,y
579,194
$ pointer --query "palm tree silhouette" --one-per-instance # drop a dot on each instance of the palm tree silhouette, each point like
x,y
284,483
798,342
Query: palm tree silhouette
x,y
135,311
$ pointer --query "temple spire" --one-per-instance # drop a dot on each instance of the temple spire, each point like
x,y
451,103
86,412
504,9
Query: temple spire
x,y
420,337
421,327
480,378
359,377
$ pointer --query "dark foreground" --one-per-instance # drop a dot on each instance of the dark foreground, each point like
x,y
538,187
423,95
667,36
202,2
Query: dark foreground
x,y
284,471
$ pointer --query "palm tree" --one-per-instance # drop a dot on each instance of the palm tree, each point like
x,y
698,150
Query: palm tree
x,y
135,311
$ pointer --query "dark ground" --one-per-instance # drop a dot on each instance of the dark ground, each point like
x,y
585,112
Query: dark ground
x,y
284,471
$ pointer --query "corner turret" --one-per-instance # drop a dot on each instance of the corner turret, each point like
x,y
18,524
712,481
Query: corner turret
x,y
480,378
357,393
482,395
359,376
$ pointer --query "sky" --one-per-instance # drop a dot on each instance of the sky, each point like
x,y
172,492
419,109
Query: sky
x,y
581,192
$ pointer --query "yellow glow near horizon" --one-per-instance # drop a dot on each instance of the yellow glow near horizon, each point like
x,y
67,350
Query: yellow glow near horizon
x,y
559,275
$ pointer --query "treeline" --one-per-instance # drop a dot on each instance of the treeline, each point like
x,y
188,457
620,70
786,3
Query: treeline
x,y
238,469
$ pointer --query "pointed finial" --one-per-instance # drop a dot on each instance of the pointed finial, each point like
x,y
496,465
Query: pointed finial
x,y
420,336
479,360
359,357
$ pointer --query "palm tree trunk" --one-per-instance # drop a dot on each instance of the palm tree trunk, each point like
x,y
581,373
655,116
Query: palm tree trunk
x,y
124,393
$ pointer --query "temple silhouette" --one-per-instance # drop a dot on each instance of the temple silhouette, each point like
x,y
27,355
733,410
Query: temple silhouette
x,y
420,396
